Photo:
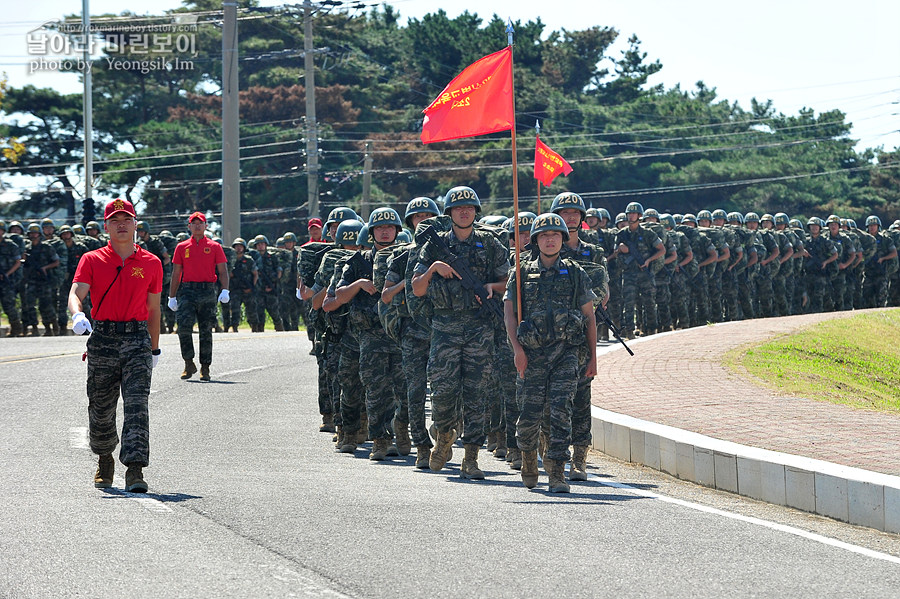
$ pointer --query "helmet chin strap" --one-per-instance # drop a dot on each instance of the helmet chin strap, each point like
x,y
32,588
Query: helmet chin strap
x,y
553,255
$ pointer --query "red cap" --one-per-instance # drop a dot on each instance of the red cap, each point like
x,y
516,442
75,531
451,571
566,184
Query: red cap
x,y
314,222
199,215
118,206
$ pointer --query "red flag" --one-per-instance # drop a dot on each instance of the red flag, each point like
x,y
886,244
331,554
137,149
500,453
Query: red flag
x,y
548,164
478,101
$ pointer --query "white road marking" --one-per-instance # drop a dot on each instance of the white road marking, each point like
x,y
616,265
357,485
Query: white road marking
x,y
150,504
241,371
78,437
303,585
751,520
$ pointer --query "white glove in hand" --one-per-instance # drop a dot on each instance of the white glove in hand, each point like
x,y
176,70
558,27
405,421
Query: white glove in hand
x,y
299,294
155,361
173,304
80,324
224,296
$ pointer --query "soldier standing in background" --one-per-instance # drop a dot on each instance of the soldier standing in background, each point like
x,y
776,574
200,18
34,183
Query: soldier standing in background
x,y
10,264
638,248
198,263
41,260
879,267
271,271
242,285
819,254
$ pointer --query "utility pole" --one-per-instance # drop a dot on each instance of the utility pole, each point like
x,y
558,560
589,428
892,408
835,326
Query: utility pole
x,y
88,212
312,134
367,184
231,150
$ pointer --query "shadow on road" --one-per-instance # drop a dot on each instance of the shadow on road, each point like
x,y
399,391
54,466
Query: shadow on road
x,y
161,497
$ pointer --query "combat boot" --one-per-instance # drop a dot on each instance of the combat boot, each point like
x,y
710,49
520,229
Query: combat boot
x,y
491,442
604,333
15,328
514,457
529,469
54,329
106,467
279,326
34,331
48,331
556,473
423,455
543,443
189,369
204,372
578,471
379,449
348,445
134,480
327,425
363,434
469,468
338,438
500,452
401,430
392,450
443,451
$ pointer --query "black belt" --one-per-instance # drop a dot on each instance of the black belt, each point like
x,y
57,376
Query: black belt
x,y
200,285
113,327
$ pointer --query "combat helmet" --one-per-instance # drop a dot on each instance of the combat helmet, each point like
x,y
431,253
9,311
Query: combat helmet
x,y
689,218
834,218
651,213
365,238
33,228
340,214
735,217
289,237
782,219
494,220
524,220
348,232
404,237
873,220
634,207
704,215
239,241
461,196
751,217
621,218
549,221
568,199
260,239
47,222
418,206
815,220
142,226
719,214
385,216
667,220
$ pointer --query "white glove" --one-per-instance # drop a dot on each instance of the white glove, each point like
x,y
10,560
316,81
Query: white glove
x,y
299,294
155,360
173,304
80,324
224,296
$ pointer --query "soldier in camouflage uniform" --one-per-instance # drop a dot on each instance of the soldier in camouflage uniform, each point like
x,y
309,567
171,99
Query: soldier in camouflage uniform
x,y
590,258
553,290
879,267
415,329
790,267
123,346
641,252
459,365
798,292
271,270
41,262
820,252
894,293
606,239
58,277
291,305
715,274
768,251
98,238
664,275
783,268
10,273
744,270
380,358
838,297
682,270
706,255
244,274
74,250
156,245
727,268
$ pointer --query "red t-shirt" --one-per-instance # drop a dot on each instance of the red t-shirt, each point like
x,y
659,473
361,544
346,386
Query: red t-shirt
x,y
127,298
198,259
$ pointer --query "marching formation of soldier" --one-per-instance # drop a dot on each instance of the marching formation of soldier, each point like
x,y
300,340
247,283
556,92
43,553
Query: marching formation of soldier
x,y
396,305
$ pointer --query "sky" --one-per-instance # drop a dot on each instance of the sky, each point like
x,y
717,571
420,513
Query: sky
x,y
822,55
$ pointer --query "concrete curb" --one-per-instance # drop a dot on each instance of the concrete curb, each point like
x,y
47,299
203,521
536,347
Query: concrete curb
x,y
848,494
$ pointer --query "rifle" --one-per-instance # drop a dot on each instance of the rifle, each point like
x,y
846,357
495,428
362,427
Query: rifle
x,y
604,316
635,254
468,280
362,265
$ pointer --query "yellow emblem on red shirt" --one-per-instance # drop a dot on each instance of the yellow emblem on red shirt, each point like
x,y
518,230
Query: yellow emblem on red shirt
x,y
206,250
137,272
187,252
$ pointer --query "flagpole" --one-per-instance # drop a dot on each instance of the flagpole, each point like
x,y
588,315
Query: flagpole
x,y
537,128
515,169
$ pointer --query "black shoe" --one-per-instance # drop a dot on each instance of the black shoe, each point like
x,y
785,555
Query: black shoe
x,y
134,480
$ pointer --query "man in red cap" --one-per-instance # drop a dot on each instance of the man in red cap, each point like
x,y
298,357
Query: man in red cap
x,y
125,282
315,230
196,263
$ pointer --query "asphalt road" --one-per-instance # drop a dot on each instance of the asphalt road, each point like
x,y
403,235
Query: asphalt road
x,y
248,499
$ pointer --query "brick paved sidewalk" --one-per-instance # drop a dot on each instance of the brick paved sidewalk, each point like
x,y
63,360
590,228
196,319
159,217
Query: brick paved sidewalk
x,y
677,379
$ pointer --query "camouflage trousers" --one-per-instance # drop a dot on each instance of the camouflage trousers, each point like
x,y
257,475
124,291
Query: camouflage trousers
x,y
699,287
680,301
269,301
353,394
730,295
500,386
745,287
415,347
114,363
714,286
45,296
875,291
290,309
324,387
331,348
550,382
638,286
614,307
765,295
62,309
664,299
780,295
836,293
381,373
8,300
231,312
167,317
505,365
816,288
459,368
196,303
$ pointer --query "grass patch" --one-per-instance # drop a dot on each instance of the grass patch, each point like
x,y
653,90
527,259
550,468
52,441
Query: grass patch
x,y
853,361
